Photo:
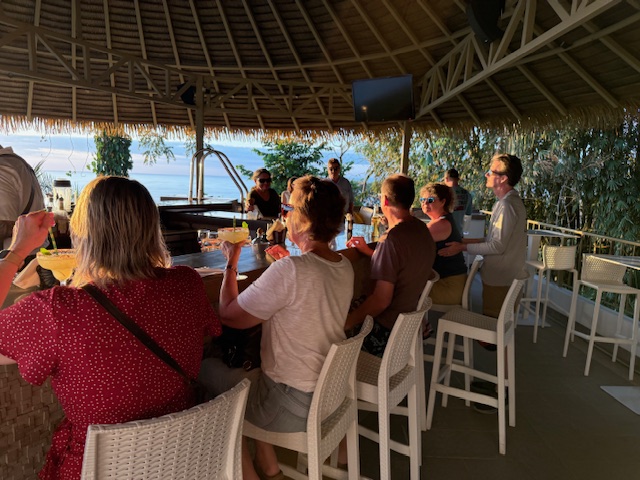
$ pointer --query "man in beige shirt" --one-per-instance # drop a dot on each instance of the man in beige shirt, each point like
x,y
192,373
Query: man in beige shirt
x,y
505,246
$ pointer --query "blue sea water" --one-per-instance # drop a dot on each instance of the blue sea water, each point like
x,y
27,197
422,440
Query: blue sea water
x,y
163,185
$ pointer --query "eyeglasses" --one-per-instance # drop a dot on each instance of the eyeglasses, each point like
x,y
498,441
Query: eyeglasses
x,y
427,199
493,172
264,180
287,208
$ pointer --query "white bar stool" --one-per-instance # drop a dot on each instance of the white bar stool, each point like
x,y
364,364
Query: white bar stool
x,y
474,326
604,276
561,258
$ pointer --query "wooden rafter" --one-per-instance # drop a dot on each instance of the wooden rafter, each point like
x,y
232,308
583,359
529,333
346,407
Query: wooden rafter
x,y
236,55
498,57
379,37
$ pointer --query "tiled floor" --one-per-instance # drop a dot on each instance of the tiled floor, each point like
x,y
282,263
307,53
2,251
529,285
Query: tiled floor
x,y
567,427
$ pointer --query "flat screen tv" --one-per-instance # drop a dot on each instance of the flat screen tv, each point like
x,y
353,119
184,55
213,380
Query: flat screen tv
x,y
383,99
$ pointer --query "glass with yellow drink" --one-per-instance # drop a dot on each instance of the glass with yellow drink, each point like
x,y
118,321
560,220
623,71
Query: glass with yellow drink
x,y
61,262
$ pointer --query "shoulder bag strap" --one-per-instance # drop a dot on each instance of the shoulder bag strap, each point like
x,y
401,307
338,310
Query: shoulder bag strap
x,y
138,332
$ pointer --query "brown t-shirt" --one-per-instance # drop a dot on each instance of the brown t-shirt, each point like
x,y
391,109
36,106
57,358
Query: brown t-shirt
x,y
404,256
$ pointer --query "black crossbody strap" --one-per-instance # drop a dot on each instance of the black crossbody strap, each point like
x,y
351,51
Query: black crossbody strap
x,y
139,333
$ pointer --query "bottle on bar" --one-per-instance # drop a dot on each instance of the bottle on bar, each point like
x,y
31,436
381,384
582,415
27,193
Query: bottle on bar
x,y
348,225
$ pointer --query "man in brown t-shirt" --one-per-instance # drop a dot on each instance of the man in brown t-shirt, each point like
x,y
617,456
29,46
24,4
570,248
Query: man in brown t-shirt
x,y
400,264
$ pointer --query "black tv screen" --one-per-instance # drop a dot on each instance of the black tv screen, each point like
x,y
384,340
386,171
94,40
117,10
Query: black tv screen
x,y
383,99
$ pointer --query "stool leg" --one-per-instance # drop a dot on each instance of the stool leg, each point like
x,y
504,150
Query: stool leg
x,y
502,433
592,333
383,439
541,274
468,362
546,299
572,317
415,450
623,302
634,337
511,380
435,374
451,341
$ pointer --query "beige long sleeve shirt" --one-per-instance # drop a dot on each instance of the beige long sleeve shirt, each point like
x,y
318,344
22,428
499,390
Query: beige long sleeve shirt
x,y
505,247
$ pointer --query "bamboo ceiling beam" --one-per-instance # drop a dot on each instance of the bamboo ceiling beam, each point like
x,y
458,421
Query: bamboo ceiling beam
x,y
76,30
497,63
143,49
112,79
324,50
267,56
347,37
176,55
205,53
236,55
379,37
408,32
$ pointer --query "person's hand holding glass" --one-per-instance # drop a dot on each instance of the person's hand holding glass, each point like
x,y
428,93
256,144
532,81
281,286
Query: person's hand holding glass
x,y
233,240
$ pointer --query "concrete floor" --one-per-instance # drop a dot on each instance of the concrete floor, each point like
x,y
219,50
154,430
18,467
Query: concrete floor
x,y
567,427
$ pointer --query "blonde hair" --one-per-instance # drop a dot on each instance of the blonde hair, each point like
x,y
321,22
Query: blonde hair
x,y
115,229
317,208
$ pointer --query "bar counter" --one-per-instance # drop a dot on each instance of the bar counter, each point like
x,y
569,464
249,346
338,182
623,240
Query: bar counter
x,y
29,414
253,261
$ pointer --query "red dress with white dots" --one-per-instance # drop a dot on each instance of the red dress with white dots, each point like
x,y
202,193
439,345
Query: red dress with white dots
x,y
100,372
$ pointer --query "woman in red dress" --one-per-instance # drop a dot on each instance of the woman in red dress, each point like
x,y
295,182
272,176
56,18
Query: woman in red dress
x,y
99,371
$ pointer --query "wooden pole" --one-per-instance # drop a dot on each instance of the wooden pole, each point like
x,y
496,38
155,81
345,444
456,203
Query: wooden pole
x,y
406,143
200,136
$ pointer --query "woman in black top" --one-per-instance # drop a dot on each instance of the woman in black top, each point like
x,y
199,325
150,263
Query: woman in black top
x,y
437,201
262,196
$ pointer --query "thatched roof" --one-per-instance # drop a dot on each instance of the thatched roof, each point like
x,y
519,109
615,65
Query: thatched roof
x,y
283,65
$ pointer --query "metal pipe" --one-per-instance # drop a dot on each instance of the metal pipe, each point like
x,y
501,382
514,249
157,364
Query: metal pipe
x,y
199,157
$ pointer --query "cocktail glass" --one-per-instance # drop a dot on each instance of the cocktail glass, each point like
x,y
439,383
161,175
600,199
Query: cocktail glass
x,y
234,235
61,262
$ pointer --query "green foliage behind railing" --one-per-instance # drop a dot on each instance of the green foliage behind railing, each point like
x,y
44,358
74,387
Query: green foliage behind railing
x,y
582,178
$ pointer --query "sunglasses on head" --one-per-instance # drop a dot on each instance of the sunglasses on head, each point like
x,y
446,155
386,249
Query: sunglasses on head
x,y
427,199
264,180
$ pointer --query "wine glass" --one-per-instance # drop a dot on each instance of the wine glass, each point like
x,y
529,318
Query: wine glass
x,y
234,235
61,262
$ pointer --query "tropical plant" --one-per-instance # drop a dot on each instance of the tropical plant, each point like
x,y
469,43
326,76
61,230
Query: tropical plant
x,y
44,179
113,155
154,147
582,178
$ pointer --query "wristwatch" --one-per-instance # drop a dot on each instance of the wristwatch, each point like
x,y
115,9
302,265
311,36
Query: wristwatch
x,y
11,257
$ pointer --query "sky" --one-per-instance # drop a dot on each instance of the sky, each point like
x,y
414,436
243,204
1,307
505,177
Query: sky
x,y
73,153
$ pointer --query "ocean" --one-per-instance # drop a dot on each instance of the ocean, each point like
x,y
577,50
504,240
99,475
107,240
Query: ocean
x,y
161,179
159,185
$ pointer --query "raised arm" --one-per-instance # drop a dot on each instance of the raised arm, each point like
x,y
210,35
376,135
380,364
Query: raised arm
x,y
29,233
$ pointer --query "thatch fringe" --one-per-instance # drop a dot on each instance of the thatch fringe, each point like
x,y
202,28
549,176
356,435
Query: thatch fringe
x,y
580,118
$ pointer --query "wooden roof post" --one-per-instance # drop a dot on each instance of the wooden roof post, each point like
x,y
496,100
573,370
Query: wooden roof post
x,y
200,137
406,143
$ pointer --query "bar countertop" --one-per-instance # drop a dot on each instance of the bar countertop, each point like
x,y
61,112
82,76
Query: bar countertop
x,y
253,261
